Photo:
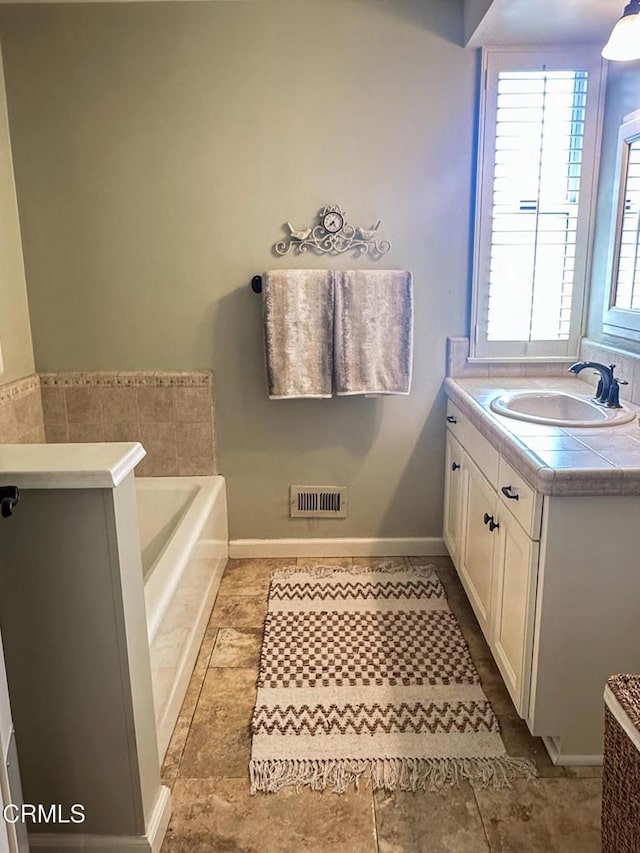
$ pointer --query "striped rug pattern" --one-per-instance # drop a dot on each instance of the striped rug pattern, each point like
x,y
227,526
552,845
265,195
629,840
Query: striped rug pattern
x,y
365,674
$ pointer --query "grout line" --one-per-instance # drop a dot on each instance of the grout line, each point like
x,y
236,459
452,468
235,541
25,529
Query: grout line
x,y
484,827
195,704
375,823
213,648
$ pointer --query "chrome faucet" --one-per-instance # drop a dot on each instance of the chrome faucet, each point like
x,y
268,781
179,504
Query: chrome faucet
x,y
608,390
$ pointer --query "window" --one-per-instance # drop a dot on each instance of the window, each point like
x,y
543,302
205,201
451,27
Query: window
x,y
539,126
622,308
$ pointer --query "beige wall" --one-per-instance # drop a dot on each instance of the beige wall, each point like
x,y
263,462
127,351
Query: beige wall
x,y
158,149
15,332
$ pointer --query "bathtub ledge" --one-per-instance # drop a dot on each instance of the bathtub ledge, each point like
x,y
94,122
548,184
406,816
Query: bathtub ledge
x,y
69,466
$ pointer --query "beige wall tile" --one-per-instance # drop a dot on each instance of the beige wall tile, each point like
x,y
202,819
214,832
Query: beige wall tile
x,y
194,440
121,432
457,354
159,440
34,436
28,411
119,405
192,404
86,432
158,466
549,368
635,383
196,466
507,370
53,405
83,405
112,411
8,423
56,433
156,405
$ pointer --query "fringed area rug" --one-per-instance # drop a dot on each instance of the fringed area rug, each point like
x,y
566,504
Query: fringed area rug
x,y
366,674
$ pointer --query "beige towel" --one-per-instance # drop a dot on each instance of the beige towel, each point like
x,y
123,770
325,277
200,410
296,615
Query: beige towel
x,y
373,332
298,332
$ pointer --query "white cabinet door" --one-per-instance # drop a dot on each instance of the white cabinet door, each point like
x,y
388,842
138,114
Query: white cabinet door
x,y
476,563
453,483
512,610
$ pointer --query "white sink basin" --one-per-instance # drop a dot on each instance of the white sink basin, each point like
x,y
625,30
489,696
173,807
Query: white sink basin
x,y
559,408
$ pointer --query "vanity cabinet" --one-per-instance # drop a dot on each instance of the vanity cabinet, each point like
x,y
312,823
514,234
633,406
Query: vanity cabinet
x,y
495,556
453,496
515,573
476,560
552,579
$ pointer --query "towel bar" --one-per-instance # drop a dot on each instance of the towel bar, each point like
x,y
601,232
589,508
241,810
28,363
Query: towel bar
x,y
256,284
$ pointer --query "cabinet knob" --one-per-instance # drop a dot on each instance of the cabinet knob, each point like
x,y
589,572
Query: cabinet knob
x,y
454,466
488,519
506,491
451,419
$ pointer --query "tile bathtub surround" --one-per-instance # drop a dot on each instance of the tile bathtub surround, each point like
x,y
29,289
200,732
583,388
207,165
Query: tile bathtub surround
x,y
21,420
171,414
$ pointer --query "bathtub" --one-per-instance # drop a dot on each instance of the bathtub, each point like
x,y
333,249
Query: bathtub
x,y
184,547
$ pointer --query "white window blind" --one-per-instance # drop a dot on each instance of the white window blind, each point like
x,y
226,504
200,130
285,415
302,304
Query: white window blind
x,y
536,170
628,281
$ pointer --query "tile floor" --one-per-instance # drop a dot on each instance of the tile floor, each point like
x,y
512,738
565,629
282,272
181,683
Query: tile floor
x,y
206,764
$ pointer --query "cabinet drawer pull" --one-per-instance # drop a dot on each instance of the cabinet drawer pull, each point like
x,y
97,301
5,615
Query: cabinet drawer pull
x,y
506,491
451,419
455,466
488,519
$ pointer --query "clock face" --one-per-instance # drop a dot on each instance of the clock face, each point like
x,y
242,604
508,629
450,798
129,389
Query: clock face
x,y
332,222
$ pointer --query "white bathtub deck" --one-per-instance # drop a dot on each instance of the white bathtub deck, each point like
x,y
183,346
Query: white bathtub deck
x,y
182,584
175,647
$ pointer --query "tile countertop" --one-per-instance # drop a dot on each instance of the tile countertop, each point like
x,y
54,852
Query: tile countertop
x,y
555,460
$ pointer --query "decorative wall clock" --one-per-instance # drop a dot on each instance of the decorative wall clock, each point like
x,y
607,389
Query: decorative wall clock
x,y
333,235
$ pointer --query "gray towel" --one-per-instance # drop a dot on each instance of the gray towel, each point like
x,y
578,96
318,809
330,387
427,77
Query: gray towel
x,y
298,332
373,331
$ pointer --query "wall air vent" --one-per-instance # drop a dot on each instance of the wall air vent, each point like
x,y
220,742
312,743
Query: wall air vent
x,y
318,502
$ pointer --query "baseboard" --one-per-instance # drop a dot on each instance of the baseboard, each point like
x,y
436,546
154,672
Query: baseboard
x,y
61,842
569,760
419,546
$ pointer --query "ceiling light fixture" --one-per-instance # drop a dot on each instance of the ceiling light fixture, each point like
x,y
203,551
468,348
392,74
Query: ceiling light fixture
x,y
624,41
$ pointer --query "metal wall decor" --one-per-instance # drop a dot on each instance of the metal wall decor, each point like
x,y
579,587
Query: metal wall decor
x,y
333,235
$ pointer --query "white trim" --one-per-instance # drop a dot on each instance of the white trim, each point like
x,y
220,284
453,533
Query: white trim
x,y
514,359
528,58
419,546
620,322
159,821
569,760
149,843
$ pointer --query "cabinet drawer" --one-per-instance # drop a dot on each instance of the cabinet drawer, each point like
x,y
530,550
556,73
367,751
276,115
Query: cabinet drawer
x,y
523,501
455,420
485,456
